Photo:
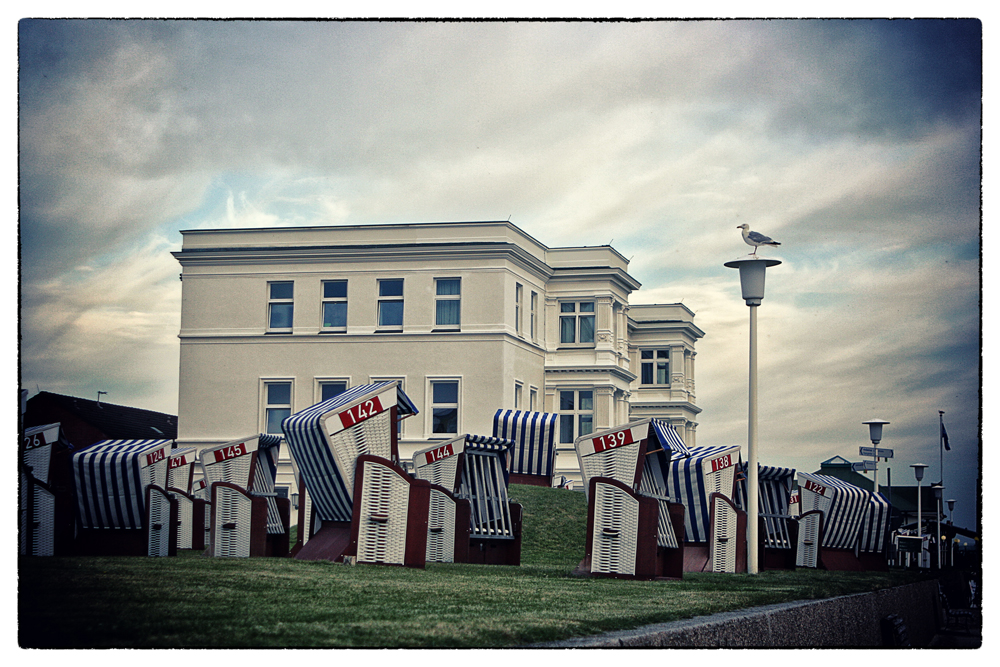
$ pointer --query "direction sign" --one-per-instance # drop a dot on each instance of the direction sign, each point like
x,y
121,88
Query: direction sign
x,y
877,452
863,465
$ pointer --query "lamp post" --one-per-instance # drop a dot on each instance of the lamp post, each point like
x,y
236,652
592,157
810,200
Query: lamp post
x,y
875,433
938,492
918,472
752,284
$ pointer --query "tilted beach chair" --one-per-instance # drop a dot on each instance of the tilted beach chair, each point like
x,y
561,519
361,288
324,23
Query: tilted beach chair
x,y
874,539
778,529
326,441
634,529
833,511
248,519
45,498
471,516
123,508
533,453
714,528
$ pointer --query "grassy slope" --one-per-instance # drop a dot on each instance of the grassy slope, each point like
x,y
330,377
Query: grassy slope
x,y
192,601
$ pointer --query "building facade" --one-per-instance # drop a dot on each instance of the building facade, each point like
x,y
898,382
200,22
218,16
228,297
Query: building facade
x,y
469,317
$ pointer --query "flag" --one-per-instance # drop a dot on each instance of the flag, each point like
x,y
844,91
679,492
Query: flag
x,y
944,437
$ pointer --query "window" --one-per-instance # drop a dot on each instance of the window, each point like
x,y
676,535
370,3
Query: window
x,y
444,406
576,414
330,388
534,314
390,304
655,366
518,298
576,322
279,305
533,399
277,405
335,305
518,396
448,302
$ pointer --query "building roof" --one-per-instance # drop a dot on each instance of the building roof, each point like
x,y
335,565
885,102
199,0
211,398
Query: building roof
x,y
116,422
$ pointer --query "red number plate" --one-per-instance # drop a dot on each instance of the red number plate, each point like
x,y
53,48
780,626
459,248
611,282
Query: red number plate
x,y
230,452
612,440
813,486
443,452
722,462
361,412
158,455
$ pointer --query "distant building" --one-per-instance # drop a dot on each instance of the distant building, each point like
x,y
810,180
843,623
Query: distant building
x,y
469,317
85,422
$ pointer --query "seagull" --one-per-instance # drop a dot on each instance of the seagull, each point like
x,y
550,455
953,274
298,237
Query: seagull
x,y
756,239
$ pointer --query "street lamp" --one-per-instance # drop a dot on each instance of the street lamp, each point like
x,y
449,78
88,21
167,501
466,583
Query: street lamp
x,y
752,284
918,472
951,524
875,433
938,492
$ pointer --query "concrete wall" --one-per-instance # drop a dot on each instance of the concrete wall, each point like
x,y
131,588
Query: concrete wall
x,y
850,621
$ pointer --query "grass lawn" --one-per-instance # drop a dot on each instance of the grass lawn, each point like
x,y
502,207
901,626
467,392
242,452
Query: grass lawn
x,y
197,602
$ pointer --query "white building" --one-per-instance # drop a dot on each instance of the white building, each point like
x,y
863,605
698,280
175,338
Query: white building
x,y
470,317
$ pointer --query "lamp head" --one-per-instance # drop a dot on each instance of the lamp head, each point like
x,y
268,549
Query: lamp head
x,y
752,277
918,470
938,491
875,429
951,504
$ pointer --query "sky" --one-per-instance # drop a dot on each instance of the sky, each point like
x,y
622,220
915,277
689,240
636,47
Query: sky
x,y
855,143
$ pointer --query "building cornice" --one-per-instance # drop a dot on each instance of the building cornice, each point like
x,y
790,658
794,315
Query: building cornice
x,y
662,405
606,369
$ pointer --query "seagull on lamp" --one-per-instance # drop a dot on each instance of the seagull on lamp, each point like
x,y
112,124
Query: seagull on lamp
x,y
756,239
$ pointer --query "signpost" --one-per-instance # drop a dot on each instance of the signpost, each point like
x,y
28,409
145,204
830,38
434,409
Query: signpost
x,y
876,453
861,466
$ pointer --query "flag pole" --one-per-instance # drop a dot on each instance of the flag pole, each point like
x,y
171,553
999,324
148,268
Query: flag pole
x,y
941,442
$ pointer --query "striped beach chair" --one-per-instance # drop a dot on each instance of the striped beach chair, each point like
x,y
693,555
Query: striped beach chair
x,y
533,454
832,514
123,507
326,441
471,518
248,519
778,527
874,540
45,498
634,529
714,528
190,509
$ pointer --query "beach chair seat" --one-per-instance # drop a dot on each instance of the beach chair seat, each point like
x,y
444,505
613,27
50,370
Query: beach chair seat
x,y
636,457
325,442
248,464
777,528
844,508
389,523
533,454
45,501
239,522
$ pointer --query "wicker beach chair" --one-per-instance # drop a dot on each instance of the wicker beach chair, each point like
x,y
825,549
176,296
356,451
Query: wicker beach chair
x,y
533,453
118,514
326,441
45,498
832,514
778,529
625,474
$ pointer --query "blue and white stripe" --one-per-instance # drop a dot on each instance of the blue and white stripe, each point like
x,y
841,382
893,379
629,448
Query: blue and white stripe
x,y
534,438
110,484
309,447
686,484
670,439
875,527
268,448
848,506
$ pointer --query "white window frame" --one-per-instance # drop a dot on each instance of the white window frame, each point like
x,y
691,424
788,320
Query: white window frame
x,y
654,362
578,315
318,383
272,301
431,405
518,302
384,299
533,399
518,395
333,299
534,315
448,297
265,406
576,411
